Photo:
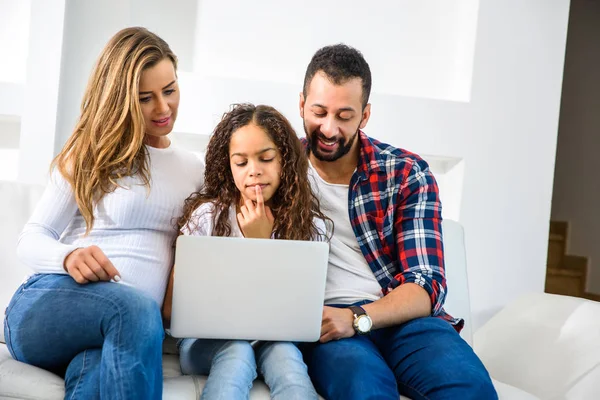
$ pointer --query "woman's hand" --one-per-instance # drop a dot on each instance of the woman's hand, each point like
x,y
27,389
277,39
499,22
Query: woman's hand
x,y
256,221
90,264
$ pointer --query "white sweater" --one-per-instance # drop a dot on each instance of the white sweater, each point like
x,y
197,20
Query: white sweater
x,y
135,227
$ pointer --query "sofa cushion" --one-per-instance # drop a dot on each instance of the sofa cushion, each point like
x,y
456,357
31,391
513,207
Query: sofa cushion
x,y
507,392
22,381
545,344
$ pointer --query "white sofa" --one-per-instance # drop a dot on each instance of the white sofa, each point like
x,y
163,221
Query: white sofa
x,y
542,346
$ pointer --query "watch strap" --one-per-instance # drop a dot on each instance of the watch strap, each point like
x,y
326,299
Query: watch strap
x,y
357,311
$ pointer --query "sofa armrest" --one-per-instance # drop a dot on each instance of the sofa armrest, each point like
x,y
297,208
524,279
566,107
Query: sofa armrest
x,y
544,344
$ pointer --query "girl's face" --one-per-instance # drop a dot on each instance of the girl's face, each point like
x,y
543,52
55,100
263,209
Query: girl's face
x,y
159,101
254,160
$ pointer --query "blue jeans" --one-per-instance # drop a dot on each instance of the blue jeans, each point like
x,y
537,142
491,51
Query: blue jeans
x,y
422,359
104,338
231,368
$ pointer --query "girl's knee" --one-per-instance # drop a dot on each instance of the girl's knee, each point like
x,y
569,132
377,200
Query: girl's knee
x,y
281,360
235,359
236,349
280,352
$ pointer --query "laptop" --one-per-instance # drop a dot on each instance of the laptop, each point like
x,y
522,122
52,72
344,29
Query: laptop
x,y
251,289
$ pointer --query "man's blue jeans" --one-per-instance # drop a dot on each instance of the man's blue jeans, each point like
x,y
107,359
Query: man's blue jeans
x,y
104,338
422,359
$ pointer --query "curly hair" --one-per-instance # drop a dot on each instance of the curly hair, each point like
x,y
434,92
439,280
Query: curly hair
x,y
294,205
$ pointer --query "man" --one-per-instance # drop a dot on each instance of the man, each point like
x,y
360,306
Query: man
x,y
384,330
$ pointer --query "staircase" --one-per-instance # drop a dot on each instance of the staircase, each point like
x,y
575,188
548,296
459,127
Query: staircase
x,y
565,274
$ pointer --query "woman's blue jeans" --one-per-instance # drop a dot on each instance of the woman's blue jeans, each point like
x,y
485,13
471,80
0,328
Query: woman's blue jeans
x,y
104,338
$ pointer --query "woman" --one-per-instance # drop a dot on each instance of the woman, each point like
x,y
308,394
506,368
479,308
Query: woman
x,y
100,240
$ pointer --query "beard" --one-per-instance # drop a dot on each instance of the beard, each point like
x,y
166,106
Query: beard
x,y
343,148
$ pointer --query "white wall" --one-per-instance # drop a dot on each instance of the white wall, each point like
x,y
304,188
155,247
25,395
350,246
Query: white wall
x,y
416,48
40,102
507,135
14,35
9,147
14,39
476,82
576,183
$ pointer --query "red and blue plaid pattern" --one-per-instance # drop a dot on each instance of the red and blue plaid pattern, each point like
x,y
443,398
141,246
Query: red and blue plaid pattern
x,y
396,214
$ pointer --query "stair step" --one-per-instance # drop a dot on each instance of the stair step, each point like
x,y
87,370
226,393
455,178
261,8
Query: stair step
x,y
556,253
592,296
559,227
565,282
575,273
575,262
565,274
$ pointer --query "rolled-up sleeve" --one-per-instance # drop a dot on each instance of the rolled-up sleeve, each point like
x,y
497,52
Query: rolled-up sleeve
x,y
418,227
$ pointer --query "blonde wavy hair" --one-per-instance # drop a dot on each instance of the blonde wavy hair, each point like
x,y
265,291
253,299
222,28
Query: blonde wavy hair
x,y
107,142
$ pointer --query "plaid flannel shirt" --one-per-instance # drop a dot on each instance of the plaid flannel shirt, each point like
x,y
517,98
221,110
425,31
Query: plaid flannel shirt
x,y
396,215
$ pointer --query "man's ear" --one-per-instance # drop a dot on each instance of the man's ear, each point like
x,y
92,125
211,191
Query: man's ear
x,y
301,104
366,114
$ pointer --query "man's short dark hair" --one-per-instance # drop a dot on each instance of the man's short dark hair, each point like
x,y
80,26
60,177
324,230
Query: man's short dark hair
x,y
340,63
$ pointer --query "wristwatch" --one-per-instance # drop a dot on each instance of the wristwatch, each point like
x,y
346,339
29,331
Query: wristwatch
x,y
362,322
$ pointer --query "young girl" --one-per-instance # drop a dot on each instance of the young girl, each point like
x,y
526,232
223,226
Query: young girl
x,y
105,217
256,186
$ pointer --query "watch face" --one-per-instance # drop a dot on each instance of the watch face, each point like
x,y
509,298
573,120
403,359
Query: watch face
x,y
364,324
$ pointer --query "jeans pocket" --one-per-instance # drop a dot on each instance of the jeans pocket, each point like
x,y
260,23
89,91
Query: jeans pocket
x,y
13,301
31,280
28,282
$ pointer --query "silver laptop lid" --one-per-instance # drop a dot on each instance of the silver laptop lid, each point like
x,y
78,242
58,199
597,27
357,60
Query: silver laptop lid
x,y
254,289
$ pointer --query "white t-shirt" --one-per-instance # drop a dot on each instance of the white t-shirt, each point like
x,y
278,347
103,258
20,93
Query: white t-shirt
x,y
134,226
349,277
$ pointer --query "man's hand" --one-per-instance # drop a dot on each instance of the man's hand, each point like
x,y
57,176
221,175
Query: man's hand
x,y
256,221
90,264
336,324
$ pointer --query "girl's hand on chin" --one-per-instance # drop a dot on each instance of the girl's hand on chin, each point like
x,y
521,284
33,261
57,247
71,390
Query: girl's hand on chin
x,y
256,220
